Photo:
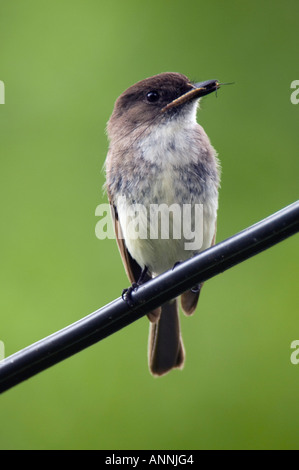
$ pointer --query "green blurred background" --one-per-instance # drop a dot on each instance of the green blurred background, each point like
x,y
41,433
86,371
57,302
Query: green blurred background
x,y
63,64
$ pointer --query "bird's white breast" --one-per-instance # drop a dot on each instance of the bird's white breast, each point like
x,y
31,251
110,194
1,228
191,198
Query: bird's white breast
x,y
171,149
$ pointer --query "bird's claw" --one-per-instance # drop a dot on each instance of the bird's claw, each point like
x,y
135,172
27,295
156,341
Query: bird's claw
x,y
127,294
196,289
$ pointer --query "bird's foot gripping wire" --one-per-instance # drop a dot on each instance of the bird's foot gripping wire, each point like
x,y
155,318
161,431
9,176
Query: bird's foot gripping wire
x,y
196,288
127,293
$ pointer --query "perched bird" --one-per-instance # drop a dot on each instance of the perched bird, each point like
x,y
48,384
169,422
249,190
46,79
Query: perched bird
x,y
160,158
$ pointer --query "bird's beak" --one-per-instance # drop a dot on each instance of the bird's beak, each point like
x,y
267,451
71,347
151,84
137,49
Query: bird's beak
x,y
199,89
204,88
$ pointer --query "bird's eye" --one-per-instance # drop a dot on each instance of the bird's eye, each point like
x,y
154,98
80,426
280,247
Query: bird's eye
x,y
152,96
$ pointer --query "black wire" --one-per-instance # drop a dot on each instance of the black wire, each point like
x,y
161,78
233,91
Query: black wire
x,y
116,315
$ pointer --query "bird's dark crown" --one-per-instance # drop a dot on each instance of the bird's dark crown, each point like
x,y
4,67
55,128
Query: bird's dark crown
x,y
144,102
156,91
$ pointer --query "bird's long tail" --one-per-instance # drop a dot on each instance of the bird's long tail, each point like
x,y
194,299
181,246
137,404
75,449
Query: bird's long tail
x,y
166,350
